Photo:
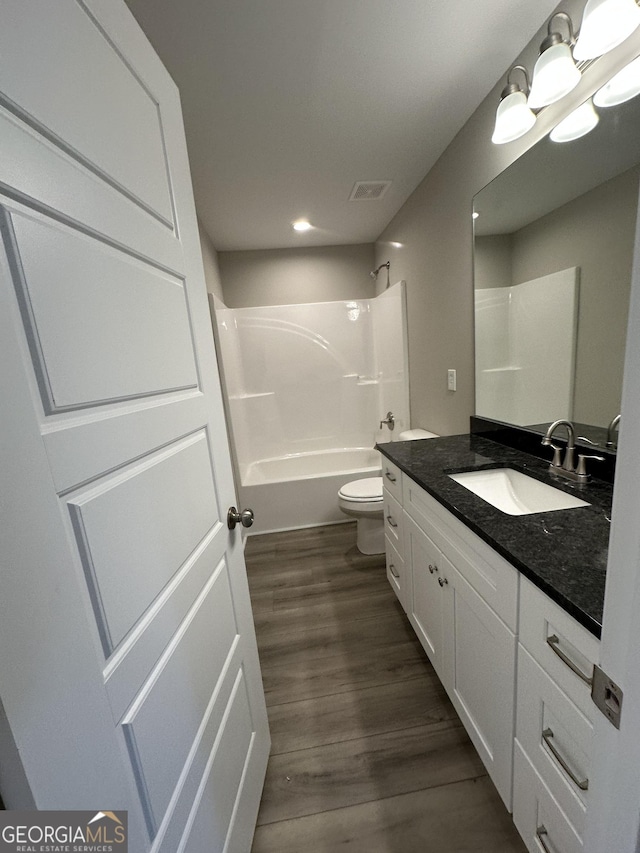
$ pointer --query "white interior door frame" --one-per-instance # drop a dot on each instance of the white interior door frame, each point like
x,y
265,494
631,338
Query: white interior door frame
x,y
613,817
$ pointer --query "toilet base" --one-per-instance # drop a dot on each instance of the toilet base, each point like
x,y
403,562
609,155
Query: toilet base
x,y
370,536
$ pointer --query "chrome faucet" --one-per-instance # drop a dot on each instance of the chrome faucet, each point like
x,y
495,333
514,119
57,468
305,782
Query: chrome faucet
x,y
614,423
567,469
390,421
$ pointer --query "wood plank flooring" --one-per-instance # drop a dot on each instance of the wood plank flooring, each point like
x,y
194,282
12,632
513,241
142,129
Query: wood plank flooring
x,y
368,754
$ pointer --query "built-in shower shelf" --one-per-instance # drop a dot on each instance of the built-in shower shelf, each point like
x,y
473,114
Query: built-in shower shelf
x,y
251,396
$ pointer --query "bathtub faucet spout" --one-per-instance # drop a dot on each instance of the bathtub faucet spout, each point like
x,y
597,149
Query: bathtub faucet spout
x,y
390,421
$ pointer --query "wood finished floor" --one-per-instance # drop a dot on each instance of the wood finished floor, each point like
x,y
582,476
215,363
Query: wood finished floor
x,y
368,754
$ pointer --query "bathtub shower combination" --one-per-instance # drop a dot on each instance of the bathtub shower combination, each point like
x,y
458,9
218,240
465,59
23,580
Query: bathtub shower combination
x,y
306,387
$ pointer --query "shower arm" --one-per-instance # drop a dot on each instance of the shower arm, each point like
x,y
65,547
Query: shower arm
x,y
374,273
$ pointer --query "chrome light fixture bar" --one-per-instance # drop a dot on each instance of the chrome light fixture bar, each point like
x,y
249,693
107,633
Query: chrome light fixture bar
x,y
555,73
576,124
622,87
513,117
605,25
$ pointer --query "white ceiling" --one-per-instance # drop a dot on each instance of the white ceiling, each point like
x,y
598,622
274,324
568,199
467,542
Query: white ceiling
x,y
287,103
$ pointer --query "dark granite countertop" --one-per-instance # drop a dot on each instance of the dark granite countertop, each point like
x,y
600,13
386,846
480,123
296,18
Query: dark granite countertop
x,y
563,552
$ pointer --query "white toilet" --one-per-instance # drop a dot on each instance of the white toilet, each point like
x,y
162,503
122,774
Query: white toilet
x,y
362,499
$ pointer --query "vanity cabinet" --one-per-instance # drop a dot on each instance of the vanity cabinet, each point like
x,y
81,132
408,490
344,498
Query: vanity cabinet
x,y
470,645
394,532
554,732
516,666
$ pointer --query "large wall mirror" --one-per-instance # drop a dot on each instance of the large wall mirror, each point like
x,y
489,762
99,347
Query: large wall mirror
x,y
553,250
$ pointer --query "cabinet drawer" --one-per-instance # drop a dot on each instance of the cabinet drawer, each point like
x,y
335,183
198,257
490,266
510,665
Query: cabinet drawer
x,y
536,813
489,574
396,572
548,721
392,479
559,644
394,523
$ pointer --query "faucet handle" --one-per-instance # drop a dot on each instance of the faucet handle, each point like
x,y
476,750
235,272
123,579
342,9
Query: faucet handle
x,y
557,459
582,463
588,441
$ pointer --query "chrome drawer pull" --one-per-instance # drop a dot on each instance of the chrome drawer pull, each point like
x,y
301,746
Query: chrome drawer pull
x,y
391,521
392,570
442,581
583,784
553,641
389,476
541,832
432,569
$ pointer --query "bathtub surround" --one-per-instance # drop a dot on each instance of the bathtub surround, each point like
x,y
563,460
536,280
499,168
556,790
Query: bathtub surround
x,y
525,349
306,387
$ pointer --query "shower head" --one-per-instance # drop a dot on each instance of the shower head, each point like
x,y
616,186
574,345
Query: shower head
x,y
374,273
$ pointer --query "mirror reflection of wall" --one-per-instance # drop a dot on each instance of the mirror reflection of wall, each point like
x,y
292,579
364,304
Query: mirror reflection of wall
x,y
560,207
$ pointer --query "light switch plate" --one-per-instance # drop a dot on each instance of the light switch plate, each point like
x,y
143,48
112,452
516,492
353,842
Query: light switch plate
x,y
451,380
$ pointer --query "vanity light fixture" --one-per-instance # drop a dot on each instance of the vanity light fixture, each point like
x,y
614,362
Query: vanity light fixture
x,y
555,73
576,124
513,117
605,25
622,87
302,225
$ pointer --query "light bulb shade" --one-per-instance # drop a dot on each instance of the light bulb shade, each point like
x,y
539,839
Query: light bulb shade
x,y
554,75
605,24
622,87
576,124
513,118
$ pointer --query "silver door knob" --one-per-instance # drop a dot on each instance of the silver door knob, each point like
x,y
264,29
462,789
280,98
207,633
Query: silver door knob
x,y
245,518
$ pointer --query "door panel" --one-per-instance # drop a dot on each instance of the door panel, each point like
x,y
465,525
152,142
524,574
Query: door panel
x,y
108,117
170,498
125,331
160,732
129,666
141,686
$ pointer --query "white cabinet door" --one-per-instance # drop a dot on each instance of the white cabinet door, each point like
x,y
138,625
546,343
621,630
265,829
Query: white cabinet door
x,y
129,673
480,659
471,649
428,567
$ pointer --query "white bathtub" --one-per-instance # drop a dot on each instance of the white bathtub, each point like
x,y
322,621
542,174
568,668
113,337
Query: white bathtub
x,y
301,490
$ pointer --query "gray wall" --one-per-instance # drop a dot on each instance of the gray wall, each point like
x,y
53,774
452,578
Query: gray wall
x,y
492,261
294,276
210,263
434,230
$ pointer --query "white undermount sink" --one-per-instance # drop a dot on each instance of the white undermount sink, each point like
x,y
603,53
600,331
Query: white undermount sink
x,y
515,493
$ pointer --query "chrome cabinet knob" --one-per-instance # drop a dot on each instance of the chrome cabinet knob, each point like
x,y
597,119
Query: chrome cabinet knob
x,y
245,518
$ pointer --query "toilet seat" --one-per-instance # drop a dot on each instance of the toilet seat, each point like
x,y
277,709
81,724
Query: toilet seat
x,y
368,490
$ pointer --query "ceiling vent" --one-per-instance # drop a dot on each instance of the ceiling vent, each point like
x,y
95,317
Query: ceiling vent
x,y
369,190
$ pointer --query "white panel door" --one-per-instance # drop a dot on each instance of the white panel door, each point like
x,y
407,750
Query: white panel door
x,y
129,675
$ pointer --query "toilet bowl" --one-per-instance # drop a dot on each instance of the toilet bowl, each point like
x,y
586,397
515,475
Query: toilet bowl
x,y
362,500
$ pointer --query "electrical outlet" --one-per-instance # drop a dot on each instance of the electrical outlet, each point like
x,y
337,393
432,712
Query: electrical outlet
x,y
451,380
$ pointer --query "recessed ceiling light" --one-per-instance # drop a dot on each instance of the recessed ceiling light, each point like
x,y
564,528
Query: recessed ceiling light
x,y
302,225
